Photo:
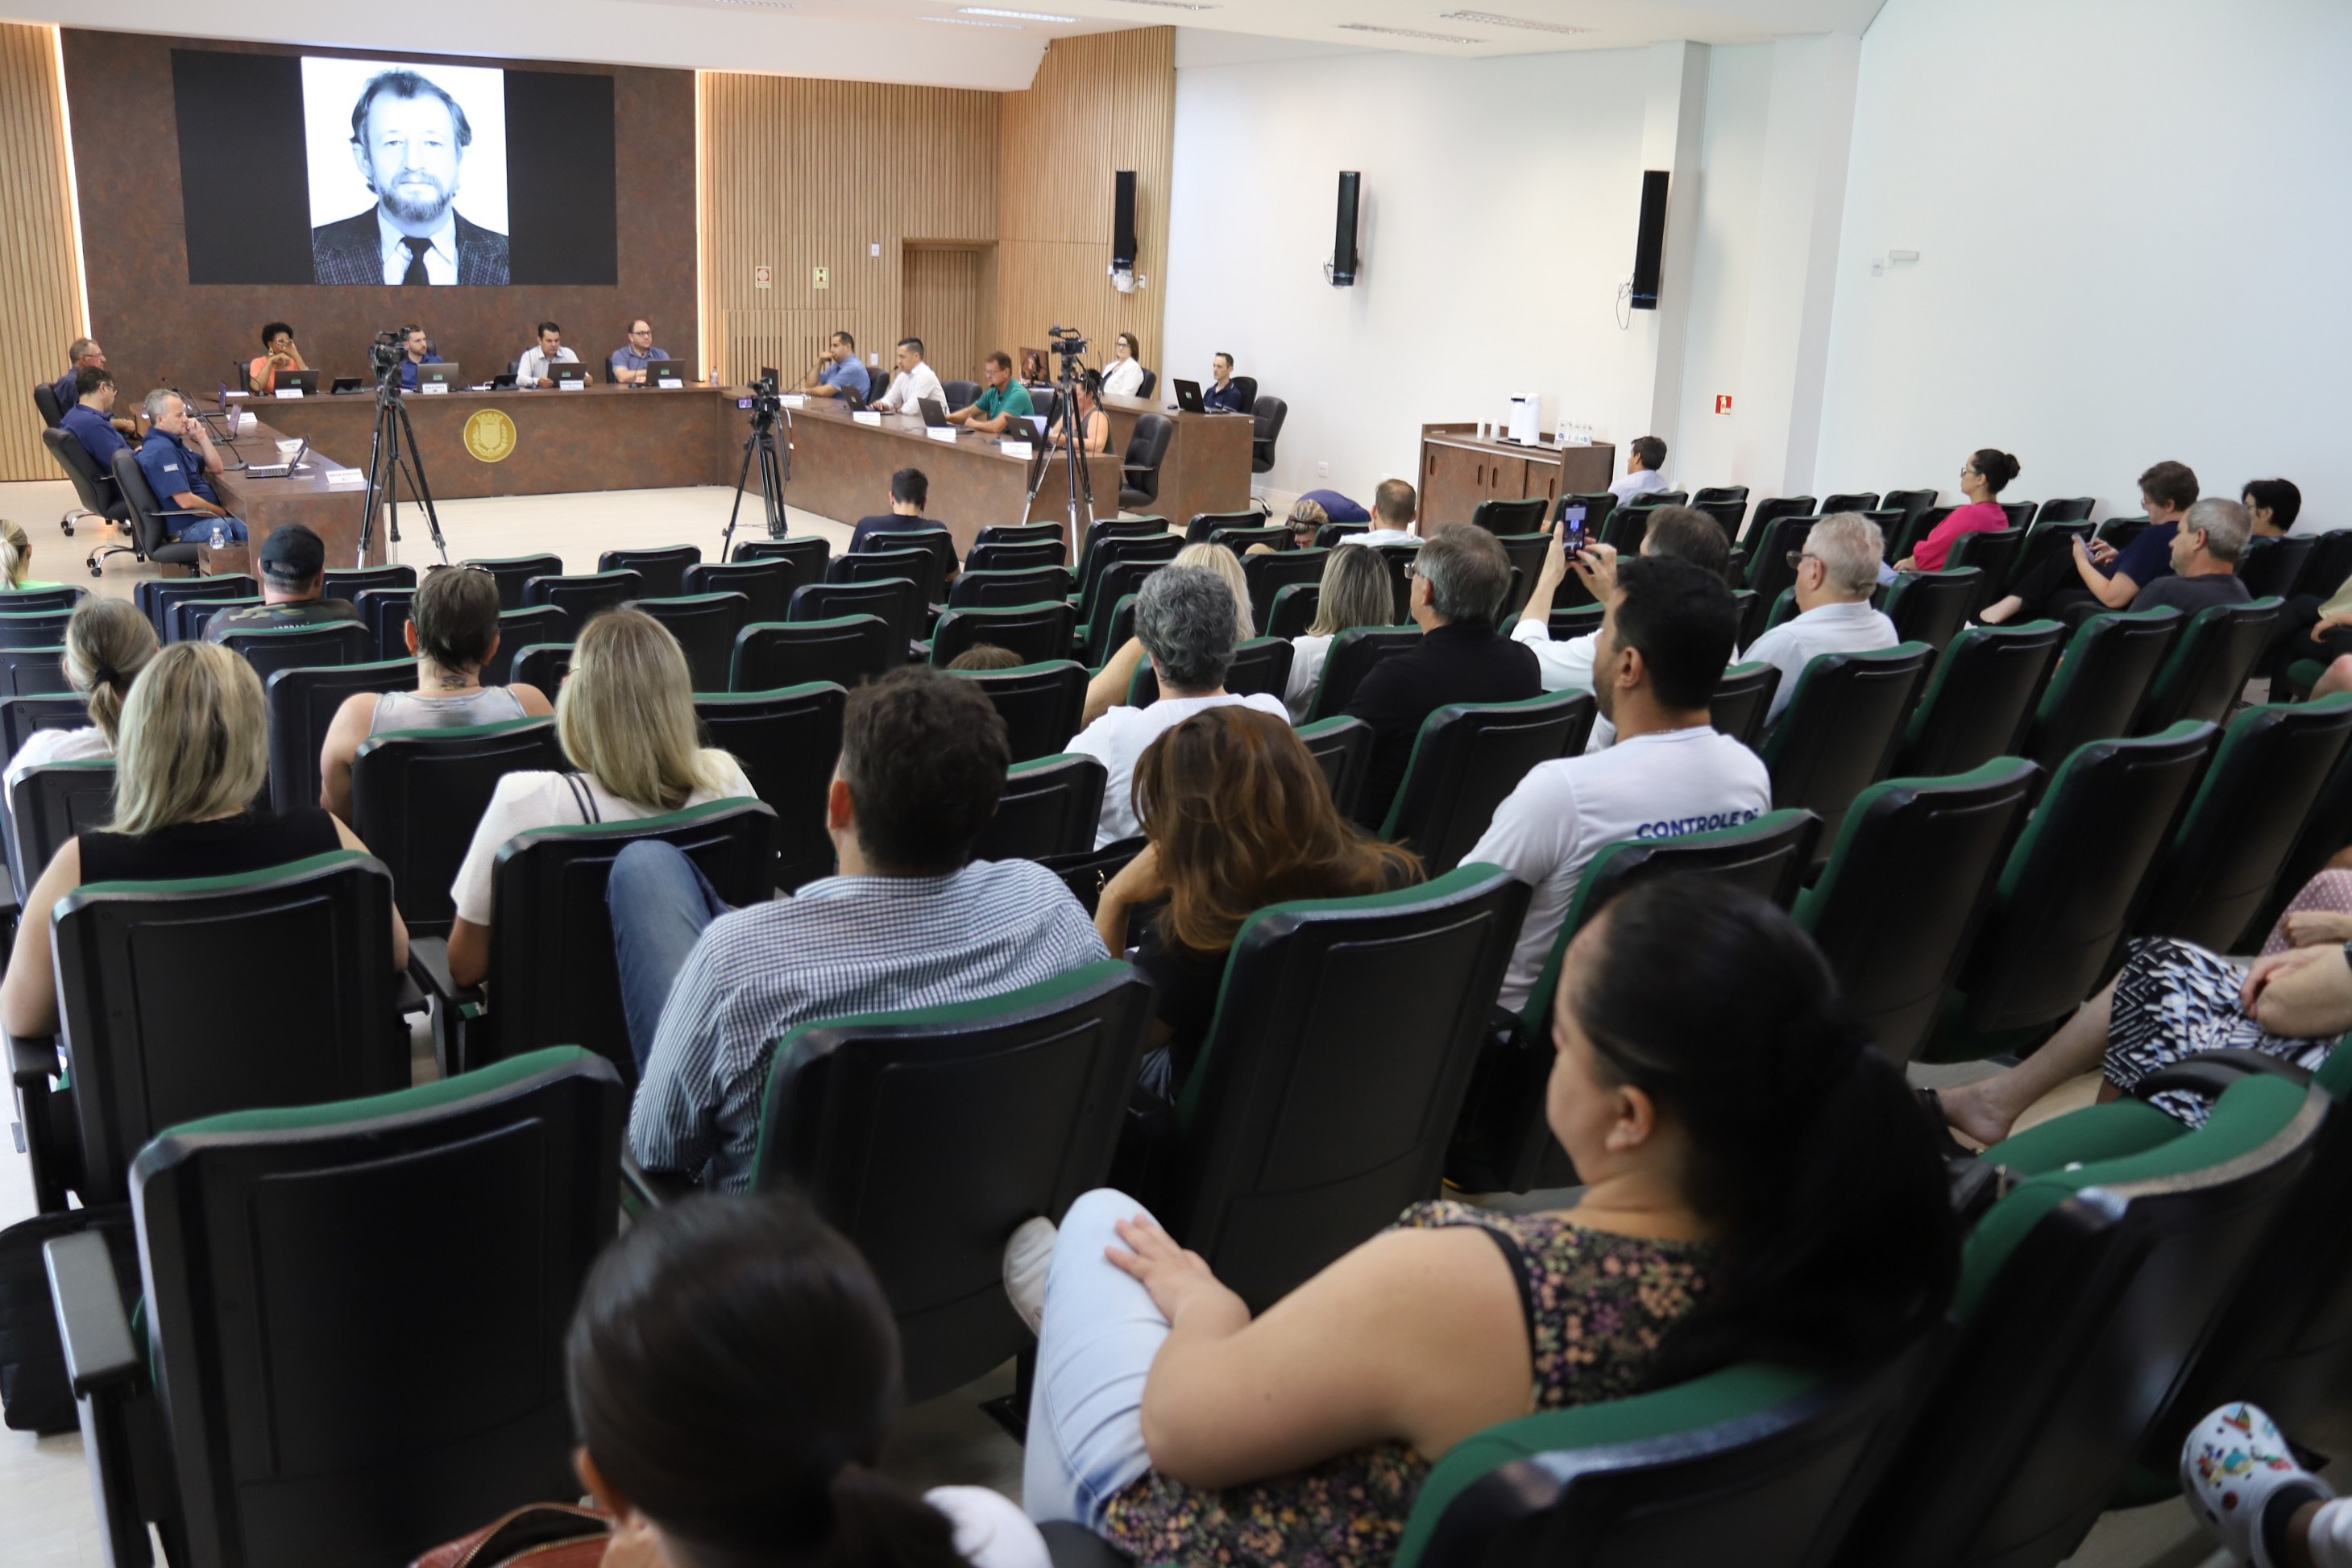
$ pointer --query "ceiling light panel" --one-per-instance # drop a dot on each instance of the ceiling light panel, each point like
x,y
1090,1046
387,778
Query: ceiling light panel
x,y
1491,19
1016,16
1171,5
1406,33
972,22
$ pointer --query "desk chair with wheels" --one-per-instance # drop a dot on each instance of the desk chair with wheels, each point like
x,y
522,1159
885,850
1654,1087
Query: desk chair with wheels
x,y
93,486
1049,810
845,650
1267,415
151,519
1147,450
787,742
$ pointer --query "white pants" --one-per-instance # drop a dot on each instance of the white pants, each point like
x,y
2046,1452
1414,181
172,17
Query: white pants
x,y
2331,1534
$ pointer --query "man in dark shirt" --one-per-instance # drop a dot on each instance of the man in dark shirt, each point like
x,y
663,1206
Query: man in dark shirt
x,y
90,415
179,461
911,491
293,574
1221,392
2205,556
416,349
1460,579
2093,572
84,353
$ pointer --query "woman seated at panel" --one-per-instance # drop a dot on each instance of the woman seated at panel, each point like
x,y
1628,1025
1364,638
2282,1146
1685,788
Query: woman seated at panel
x,y
1094,424
194,753
1759,1186
452,632
278,353
107,643
625,717
1356,591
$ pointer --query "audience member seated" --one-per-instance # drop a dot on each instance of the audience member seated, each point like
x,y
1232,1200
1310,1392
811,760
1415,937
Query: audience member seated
x,y
627,365
452,632
1985,475
625,717
1757,1188
2245,1486
2204,560
733,1370
1355,593
1337,508
1677,531
1459,578
1837,571
1306,521
986,656
1664,642
1186,624
90,414
911,921
1002,400
537,365
17,562
293,570
84,354
2272,506
1228,566
278,353
1643,458
1094,424
416,349
1237,816
1220,395
840,373
194,753
2098,573
910,492
1396,505
914,381
179,460
1123,376
108,642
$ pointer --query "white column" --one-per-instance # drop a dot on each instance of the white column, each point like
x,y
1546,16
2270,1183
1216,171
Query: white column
x,y
1673,122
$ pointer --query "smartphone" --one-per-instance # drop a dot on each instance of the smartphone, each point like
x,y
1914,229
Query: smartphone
x,y
1572,540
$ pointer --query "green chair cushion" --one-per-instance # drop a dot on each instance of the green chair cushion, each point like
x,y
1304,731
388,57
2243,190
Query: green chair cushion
x,y
399,1102
233,881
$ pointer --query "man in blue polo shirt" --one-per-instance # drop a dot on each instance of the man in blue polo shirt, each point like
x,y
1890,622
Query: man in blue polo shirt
x,y
413,352
626,365
840,373
1220,392
90,415
84,353
178,459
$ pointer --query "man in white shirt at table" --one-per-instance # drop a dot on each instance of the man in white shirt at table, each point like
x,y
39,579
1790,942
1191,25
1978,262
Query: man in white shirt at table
x,y
915,381
534,368
1647,456
1666,639
1837,569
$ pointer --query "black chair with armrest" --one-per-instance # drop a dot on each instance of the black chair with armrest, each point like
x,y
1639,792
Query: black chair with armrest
x,y
663,567
766,585
302,703
787,742
151,519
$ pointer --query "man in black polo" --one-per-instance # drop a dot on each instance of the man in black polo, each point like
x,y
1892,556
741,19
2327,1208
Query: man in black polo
x,y
293,567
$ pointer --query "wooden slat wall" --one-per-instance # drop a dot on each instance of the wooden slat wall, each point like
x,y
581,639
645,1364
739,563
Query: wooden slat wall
x,y
40,303
944,307
1100,103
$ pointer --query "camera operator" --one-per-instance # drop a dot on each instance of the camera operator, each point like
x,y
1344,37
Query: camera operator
x,y
416,349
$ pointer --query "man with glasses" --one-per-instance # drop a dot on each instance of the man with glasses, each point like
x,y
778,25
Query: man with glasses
x,y
626,368
1836,572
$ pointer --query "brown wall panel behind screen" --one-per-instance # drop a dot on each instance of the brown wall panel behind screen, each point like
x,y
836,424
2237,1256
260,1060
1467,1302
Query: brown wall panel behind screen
x,y
159,328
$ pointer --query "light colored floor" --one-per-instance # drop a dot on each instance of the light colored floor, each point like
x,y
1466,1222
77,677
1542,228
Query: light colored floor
x,y
47,1519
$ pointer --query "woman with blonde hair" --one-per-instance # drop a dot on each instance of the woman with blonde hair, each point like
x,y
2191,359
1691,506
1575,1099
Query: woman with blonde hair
x,y
626,717
107,643
192,754
17,559
1356,591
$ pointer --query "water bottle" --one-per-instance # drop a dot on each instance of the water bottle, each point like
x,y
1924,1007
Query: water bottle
x,y
220,535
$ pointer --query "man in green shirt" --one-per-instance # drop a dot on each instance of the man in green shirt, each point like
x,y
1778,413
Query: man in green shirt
x,y
1002,400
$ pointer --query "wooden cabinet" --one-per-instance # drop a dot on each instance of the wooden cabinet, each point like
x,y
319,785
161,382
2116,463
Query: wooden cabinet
x,y
1458,470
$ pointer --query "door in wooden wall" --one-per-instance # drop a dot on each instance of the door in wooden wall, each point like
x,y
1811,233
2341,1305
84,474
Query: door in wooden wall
x,y
948,305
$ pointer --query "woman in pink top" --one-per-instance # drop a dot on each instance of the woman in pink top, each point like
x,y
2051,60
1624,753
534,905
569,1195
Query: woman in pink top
x,y
1987,473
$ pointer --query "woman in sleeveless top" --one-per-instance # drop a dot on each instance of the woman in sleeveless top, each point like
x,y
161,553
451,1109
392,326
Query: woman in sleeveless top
x,y
1759,1184
194,753
626,717
453,631
107,643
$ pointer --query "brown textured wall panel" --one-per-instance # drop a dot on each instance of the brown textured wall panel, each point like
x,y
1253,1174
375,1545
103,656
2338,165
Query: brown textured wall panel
x,y
945,307
40,306
156,327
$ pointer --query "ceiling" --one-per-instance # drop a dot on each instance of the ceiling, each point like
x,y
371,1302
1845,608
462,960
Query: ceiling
x,y
935,42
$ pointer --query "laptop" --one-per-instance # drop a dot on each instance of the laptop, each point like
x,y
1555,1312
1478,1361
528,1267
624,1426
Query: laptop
x,y
348,383
665,373
568,373
503,382
447,377
305,382
1188,397
935,413
280,470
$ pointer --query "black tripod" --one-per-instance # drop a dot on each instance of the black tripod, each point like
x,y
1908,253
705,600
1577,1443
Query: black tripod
x,y
387,460
1074,458
775,463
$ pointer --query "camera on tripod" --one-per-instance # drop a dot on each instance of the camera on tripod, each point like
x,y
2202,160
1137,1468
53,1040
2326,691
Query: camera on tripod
x,y
1067,342
383,354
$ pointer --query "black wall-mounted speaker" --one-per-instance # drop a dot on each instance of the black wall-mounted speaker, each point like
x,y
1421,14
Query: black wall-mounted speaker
x,y
1122,221
1343,240
1650,241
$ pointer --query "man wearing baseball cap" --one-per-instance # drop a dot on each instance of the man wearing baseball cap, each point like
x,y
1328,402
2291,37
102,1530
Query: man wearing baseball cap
x,y
293,564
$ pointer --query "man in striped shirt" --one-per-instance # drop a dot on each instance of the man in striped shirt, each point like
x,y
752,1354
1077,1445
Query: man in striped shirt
x,y
911,920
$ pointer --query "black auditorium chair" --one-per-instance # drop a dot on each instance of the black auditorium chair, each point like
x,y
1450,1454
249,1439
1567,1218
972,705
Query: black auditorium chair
x,y
189,618
1035,632
1903,887
1328,1086
1729,515
1273,535
2101,681
808,553
1108,528
1912,504
1147,449
274,648
2271,567
1048,811
2328,564
1992,550
512,573
581,597
1837,733
50,804
896,600
1040,703
1205,523
663,568
1260,665
355,1217
1000,590
2018,513
29,599
541,665
1526,553
766,585
1979,700
1707,495
1342,748
1269,574
302,702
1648,499
2325,830
706,625
2209,666
386,613
1121,551
1012,556
1469,757
151,519
846,650
1932,607
519,629
1522,515
1852,500
787,742
417,793
1351,658
1399,560
2074,509
35,628
1267,414
1775,507
1029,1086
1024,533
20,716
350,582
2047,540
1598,505
925,555
1292,610
33,671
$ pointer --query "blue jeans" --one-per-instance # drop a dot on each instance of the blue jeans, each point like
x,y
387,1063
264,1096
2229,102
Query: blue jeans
x,y
199,530
659,902
1094,1352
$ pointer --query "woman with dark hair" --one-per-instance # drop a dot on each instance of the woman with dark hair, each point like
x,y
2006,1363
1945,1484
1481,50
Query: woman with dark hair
x,y
1985,475
278,353
1759,1184
733,1369
1237,814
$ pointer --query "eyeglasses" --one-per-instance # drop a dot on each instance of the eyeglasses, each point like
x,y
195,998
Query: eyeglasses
x,y
1799,557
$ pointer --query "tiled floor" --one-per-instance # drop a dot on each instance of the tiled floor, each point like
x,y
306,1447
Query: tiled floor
x,y
47,1519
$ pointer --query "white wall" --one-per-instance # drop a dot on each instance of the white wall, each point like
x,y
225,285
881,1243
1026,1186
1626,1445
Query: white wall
x,y
2133,223
1731,169
1501,198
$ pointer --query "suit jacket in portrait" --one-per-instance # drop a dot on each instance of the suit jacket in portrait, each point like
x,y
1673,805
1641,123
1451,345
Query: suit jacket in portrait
x,y
349,251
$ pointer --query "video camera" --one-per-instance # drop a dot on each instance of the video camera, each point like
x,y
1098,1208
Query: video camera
x,y
383,354
1067,342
